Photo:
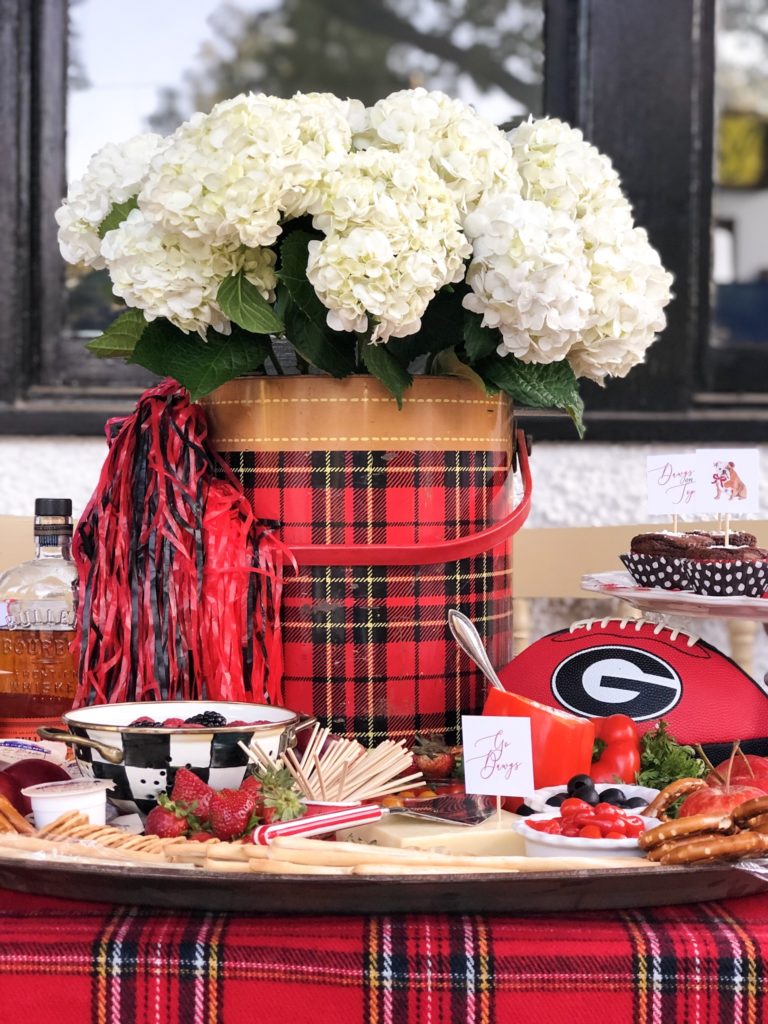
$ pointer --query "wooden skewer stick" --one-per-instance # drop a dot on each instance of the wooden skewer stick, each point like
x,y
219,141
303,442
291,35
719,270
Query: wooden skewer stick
x,y
394,787
320,779
310,743
289,755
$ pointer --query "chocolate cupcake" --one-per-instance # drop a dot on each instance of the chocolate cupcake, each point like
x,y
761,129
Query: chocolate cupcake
x,y
660,559
732,571
736,538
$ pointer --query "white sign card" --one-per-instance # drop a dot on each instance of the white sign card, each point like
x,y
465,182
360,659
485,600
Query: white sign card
x,y
671,484
498,760
729,481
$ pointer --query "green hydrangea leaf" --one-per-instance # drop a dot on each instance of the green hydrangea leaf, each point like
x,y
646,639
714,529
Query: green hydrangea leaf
x,y
120,337
294,254
116,215
244,304
380,362
440,328
199,365
479,341
317,344
537,386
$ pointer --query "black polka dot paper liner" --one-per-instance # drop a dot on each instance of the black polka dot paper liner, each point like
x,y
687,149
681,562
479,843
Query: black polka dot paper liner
x,y
659,571
728,579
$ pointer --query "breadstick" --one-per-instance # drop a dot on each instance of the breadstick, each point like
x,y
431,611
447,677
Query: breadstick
x,y
33,844
17,821
280,867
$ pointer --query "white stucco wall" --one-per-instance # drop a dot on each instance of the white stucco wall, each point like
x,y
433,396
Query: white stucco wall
x,y
575,484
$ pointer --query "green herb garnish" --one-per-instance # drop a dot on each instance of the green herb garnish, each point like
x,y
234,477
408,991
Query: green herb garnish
x,y
663,759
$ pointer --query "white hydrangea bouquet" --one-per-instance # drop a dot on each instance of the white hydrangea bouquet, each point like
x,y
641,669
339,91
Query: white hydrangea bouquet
x,y
410,234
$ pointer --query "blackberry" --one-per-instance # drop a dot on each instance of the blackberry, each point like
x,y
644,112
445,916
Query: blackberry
x,y
210,719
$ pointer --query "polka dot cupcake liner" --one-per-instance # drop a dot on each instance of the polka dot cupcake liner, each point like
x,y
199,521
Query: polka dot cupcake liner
x,y
728,579
658,571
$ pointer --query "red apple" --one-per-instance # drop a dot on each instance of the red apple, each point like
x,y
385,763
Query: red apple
x,y
747,770
31,771
11,790
717,799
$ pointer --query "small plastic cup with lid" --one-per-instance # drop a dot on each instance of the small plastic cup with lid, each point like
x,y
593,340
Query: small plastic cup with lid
x,y
52,799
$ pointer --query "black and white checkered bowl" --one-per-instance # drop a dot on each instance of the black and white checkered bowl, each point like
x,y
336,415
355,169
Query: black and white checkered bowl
x,y
143,761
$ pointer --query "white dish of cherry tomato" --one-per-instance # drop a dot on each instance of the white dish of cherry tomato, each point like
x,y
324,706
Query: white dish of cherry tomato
x,y
583,831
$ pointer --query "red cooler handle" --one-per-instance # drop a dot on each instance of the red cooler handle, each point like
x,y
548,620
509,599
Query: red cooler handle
x,y
427,554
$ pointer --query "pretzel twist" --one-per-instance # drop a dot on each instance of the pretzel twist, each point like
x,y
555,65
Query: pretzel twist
x,y
717,847
750,809
686,828
671,793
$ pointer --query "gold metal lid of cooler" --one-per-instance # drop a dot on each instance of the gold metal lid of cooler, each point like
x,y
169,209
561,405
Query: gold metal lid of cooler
x,y
357,413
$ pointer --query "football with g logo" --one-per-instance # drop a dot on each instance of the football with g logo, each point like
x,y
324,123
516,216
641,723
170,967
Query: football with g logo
x,y
633,667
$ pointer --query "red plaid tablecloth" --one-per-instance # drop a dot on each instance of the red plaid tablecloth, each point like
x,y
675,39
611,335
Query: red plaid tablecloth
x,y
67,962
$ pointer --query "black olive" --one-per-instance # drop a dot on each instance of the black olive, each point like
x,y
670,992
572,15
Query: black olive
x,y
612,796
557,799
524,810
577,782
588,794
635,801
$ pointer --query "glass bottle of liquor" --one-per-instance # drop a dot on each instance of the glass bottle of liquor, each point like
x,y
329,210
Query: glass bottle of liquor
x,y
37,619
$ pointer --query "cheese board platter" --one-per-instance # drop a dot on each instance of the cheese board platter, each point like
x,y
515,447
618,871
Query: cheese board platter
x,y
537,891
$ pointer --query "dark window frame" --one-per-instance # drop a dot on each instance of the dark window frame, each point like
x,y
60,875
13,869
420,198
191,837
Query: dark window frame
x,y
637,78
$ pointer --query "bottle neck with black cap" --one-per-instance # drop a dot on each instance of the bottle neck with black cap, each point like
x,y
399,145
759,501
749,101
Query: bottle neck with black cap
x,y
53,528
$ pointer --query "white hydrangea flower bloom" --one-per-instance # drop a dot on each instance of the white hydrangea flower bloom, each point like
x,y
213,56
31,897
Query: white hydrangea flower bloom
x,y
114,174
560,169
630,289
174,276
471,155
232,174
392,241
529,277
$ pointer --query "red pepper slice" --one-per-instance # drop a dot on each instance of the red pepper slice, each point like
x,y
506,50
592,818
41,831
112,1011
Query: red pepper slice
x,y
616,756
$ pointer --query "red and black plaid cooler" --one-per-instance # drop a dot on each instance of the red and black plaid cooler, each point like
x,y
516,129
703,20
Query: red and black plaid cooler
x,y
394,517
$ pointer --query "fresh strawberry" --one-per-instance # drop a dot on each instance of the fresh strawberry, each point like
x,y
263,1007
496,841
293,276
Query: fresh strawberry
x,y
252,783
192,792
173,723
279,800
168,820
231,813
432,758
201,837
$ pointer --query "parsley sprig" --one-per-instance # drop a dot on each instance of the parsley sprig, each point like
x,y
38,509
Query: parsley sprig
x,y
663,759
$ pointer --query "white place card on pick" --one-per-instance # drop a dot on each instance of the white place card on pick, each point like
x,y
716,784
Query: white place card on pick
x,y
671,484
729,481
498,760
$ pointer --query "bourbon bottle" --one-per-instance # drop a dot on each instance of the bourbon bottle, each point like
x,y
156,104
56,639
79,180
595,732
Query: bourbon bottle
x,y
37,626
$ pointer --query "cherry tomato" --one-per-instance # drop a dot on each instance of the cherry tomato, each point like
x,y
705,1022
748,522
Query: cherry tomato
x,y
618,824
584,818
590,832
572,806
608,810
635,826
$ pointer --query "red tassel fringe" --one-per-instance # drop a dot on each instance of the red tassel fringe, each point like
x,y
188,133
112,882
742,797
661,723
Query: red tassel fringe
x,y
179,583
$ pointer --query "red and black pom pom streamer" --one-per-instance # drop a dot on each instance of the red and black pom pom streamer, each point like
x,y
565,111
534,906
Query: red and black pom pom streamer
x,y
179,583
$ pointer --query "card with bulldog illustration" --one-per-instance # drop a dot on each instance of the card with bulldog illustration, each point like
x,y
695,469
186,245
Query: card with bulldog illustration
x,y
728,481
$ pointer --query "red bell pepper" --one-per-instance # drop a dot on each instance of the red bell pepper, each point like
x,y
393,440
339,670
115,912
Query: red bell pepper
x,y
616,754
